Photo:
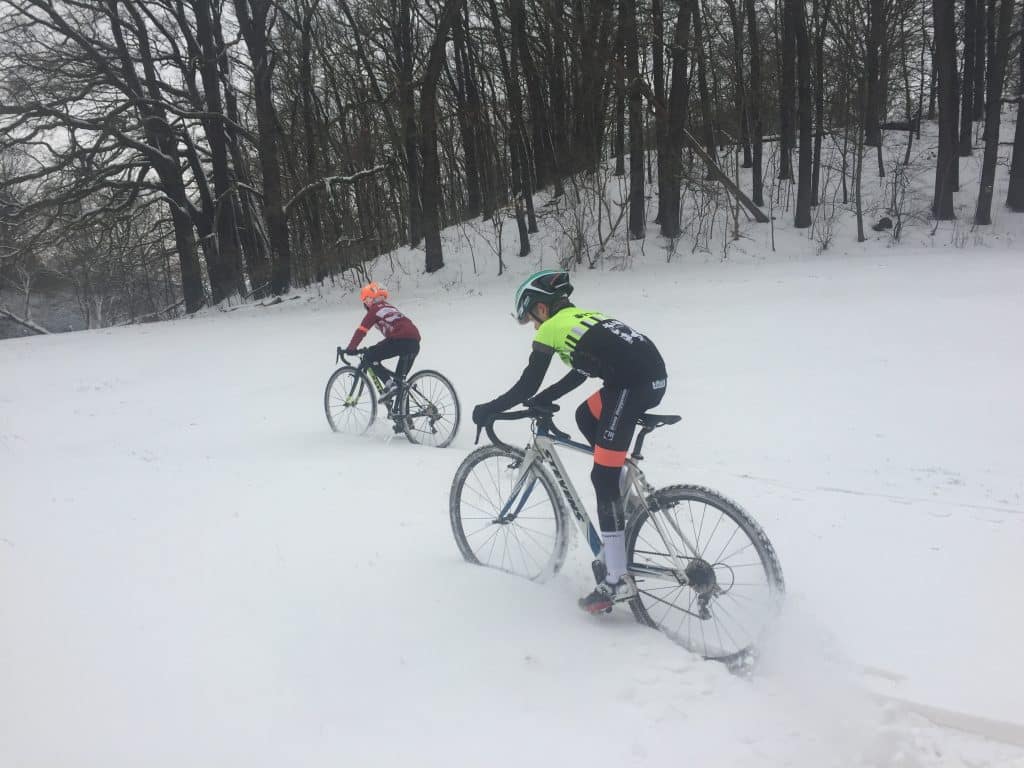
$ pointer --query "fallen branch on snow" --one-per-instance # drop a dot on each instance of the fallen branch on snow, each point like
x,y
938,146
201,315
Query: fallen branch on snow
x,y
23,322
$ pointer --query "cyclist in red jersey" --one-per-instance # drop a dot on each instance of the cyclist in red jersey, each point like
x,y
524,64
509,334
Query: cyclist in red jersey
x,y
401,338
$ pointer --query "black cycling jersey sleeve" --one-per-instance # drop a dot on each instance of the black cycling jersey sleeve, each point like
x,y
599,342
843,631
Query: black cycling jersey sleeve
x,y
563,386
529,382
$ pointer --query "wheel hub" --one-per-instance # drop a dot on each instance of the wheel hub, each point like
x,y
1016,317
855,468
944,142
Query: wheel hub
x,y
701,577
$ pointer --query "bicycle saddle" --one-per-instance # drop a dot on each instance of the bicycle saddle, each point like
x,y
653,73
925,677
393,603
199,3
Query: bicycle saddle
x,y
654,420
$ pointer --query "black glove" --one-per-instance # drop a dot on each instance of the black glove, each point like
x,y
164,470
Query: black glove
x,y
481,414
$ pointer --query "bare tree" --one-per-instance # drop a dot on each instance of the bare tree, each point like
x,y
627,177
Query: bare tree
x,y
945,53
994,101
1015,193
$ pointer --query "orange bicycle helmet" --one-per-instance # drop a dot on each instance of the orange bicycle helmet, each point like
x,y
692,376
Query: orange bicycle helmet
x,y
373,292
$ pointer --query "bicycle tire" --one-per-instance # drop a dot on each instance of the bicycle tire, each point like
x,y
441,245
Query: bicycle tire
x,y
647,605
535,568
437,412
367,399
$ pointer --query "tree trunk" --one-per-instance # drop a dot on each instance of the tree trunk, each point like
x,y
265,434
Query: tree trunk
x,y
679,97
160,136
803,49
254,22
980,28
543,160
990,37
619,149
246,213
318,256
945,57
225,275
820,28
428,125
875,41
407,110
706,113
787,139
955,116
660,116
967,95
754,103
736,21
933,82
526,151
1015,193
994,100
469,118
559,147
637,212
858,161
517,135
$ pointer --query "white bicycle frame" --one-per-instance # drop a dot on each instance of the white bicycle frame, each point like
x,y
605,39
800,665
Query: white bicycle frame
x,y
542,450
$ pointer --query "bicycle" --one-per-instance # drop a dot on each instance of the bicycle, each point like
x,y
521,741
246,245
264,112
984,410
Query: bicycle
x,y
425,407
510,510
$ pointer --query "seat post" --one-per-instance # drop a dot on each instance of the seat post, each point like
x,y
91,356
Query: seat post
x,y
639,444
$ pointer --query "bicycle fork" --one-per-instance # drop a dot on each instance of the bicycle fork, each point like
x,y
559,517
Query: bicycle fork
x,y
524,485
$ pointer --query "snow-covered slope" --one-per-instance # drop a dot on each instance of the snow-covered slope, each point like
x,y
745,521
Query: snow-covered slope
x,y
195,571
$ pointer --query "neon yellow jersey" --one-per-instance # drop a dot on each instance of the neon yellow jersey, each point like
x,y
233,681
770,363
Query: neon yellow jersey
x,y
563,330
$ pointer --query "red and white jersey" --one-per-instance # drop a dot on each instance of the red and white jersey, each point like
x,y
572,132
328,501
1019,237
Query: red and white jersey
x,y
389,321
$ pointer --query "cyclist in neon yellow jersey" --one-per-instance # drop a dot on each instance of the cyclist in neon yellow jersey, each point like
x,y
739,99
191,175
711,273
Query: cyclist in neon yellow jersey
x,y
634,380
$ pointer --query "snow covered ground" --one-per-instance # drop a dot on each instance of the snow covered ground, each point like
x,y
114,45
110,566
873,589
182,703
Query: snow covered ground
x,y
195,571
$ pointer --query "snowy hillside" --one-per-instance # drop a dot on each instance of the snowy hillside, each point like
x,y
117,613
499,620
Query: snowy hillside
x,y
195,571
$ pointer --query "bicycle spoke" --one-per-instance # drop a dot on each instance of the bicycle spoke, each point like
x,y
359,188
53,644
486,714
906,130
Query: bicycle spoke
x,y
739,624
726,545
478,530
748,545
525,551
481,530
721,515
532,533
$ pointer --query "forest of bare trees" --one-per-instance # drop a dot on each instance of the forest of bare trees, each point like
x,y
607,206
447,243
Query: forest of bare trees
x,y
166,155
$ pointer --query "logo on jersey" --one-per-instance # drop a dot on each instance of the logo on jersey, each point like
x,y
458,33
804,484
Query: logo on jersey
x,y
623,331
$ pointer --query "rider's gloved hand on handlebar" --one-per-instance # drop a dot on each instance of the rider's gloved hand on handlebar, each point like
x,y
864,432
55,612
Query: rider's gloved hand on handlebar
x,y
352,351
482,413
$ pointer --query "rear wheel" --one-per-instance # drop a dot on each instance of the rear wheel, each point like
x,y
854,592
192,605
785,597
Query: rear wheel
x,y
730,585
525,534
349,401
431,409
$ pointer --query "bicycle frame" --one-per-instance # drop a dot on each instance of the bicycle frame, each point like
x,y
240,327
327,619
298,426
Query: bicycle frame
x,y
542,449
378,385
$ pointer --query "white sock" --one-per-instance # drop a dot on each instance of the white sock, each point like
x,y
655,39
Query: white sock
x,y
614,555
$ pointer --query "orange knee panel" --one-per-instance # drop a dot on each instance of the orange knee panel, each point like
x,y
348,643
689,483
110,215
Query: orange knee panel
x,y
609,458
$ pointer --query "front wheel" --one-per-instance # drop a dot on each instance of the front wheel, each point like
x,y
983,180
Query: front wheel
x,y
525,533
430,409
726,586
349,401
